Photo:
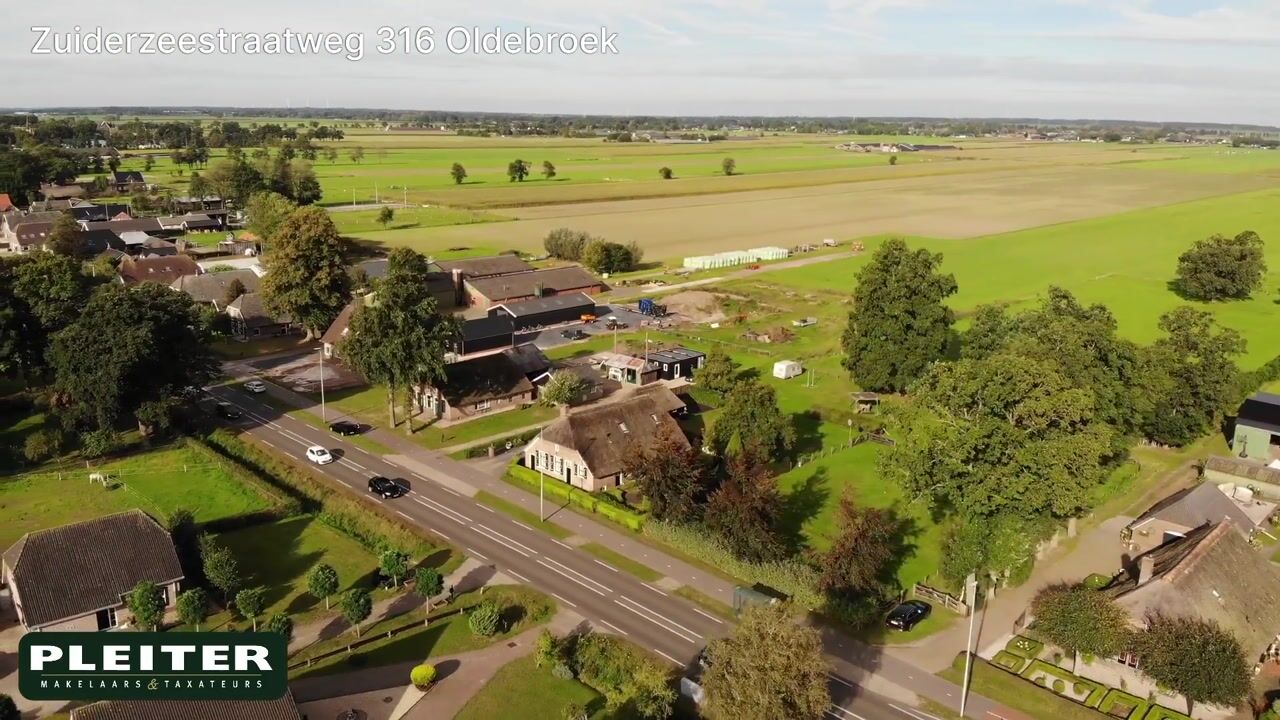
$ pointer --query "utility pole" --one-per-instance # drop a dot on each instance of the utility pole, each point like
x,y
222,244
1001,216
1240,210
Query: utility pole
x,y
323,415
971,588
542,515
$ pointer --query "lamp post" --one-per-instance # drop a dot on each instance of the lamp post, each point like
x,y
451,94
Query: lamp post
x,y
323,415
542,515
971,588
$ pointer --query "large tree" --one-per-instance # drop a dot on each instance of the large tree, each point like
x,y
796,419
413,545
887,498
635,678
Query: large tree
x,y
671,475
1196,658
751,418
1222,268
22,338
1005,433
719,373
306,277
458,173
899,324
769,667
517,170
861,556
744,511
267,212
131,351
1187,377
66,239
401,338
53,287
1082,620
566,244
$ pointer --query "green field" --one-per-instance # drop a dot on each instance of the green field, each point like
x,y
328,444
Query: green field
x,y
539,695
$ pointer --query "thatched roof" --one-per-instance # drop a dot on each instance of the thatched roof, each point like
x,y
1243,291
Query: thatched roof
x,y
607,435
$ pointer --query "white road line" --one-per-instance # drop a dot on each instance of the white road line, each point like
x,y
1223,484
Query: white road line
x,y
526,527
566,547
843,713
443,509
566,602
450,490
406,517
917,714
649,615
570,570
606,566
520,545
570,577
473,552
498,539
356,464
656,590
517,576
842,681
613,627
486,507
712,618
673,660
268,443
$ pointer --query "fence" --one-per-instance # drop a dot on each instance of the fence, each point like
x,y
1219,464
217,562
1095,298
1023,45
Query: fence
x,y
372,638
950,602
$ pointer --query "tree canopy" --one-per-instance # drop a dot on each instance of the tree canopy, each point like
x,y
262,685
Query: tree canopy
x,y
719,373
1079,619
267,212
1222,268
671,475
899,324
306,278
769,667
1196,658
751,418
860,559
745,510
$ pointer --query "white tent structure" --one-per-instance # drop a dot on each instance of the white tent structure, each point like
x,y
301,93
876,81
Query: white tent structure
x,y
736,257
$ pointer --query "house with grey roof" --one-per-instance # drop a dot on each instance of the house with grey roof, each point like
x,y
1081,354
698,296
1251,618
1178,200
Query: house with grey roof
x,y
589,447
485,384
280,709
1203,504
76,577
250,318
488,292
211,288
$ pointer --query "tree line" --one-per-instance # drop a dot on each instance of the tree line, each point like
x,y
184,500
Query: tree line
x,y
596,253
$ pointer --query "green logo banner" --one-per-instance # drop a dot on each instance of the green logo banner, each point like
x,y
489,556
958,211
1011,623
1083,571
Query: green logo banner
x,y
152,666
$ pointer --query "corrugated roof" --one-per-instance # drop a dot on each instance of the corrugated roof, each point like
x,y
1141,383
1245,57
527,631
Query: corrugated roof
x,y
535,306
485,266
282,709
526,284
488,377
675,355
72,570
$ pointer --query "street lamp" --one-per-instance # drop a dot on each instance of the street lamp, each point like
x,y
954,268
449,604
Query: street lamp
x,y
849,421
971,592
542,515
323,415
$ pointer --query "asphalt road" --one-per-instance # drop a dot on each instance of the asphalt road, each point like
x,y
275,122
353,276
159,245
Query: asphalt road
x,y
614,601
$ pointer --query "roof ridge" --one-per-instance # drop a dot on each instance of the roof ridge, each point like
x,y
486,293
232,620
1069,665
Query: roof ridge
x,y
1201,549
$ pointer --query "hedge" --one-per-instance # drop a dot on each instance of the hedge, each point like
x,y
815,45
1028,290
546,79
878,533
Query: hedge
x,y
1113,696
1009,661
597,503
1024,647
1159,712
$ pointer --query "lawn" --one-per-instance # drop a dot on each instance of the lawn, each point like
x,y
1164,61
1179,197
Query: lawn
x,y
523,608
812,493
364,223
1019,694
538,694
157,481
278,556
1124,261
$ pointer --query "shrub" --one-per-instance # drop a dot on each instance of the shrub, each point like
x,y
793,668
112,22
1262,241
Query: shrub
x,y
98,443
1009,661
423,676
1059,686
575,712
43,444
562,671
485,619
1024,647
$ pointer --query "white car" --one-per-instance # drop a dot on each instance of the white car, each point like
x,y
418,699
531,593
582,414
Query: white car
x,y
255,386
319,455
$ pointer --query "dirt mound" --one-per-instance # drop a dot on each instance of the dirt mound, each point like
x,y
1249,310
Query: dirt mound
x,y
697,305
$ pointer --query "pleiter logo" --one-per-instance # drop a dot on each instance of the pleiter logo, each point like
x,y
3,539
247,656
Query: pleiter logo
x,y
152,666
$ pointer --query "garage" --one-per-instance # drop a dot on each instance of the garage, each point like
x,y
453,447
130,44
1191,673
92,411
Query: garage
x,y
544,312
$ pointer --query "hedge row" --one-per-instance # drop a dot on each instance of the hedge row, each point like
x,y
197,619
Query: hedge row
x,y
340,511
598,503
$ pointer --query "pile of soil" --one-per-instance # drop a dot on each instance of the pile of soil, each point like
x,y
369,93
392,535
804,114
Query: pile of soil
x,y
696,305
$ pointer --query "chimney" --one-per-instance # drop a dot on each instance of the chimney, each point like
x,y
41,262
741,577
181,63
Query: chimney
x,y
1146,569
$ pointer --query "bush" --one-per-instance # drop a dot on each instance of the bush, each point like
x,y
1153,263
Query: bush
x,y
99,443
1009,661
43,444
1024,647
1059,686
423,676
602,504
485,619
562,671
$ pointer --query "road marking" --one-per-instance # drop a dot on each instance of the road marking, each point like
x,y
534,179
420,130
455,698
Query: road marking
x,y
606,566
355,464
526,527
712,618
268,443
613,627
917,714
349,464
673,660
473,552
566,547
842,681
657,619
558,571
502,540
485,507
450,490
517,576
656,590
406,517
454,516
566,602
842,713
1001,717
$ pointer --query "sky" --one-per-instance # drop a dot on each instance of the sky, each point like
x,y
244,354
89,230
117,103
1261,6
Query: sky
x,y
1151,60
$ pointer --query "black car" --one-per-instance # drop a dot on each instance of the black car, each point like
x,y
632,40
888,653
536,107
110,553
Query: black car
x,y
346,427
229,411
574,334
386,487
907,614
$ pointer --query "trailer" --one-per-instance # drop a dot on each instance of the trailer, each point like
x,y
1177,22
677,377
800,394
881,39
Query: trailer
x,y
787,369
647,306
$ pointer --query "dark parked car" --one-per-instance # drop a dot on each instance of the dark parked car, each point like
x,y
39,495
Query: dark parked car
x,y
386,487
229,411
573,334
346,427
907,614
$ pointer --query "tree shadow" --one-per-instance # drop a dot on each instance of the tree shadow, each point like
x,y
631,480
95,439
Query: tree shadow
x,y
802,503
808,427
272,554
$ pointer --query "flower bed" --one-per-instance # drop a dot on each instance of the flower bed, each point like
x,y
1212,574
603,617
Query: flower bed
x,y
1024,647
1060,681
1009,661
1158,712
1120,704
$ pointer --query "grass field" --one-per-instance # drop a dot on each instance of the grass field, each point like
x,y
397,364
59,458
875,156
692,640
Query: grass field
x,y
157,481
538,694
